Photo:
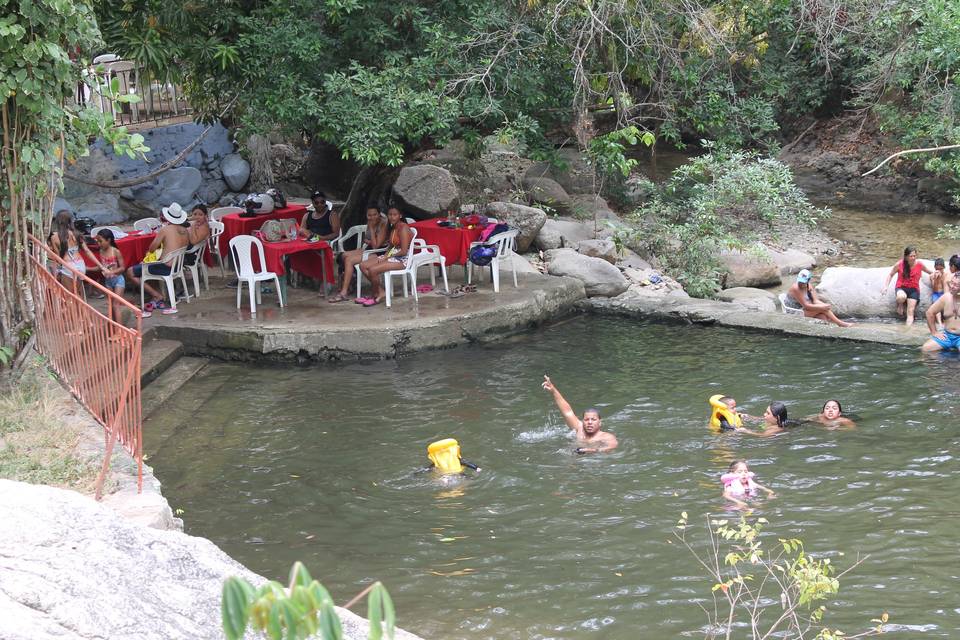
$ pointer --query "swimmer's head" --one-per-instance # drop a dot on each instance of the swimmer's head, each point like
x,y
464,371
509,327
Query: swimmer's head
x,y
730,402
831,409
740,469
776,413
591,421
938,264
954,284
954,263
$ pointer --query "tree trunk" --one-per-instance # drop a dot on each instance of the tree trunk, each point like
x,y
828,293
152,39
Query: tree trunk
x,y
373,185
261,166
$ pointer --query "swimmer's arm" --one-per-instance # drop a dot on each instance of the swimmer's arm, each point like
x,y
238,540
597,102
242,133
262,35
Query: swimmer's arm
x,y
769,491
609,443
750,432
568,415
729,496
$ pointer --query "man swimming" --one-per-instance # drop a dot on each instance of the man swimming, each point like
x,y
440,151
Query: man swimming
x,y
949,338
588,430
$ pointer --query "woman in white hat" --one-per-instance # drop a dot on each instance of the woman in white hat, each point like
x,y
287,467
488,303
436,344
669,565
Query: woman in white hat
x,y
802,295
172,236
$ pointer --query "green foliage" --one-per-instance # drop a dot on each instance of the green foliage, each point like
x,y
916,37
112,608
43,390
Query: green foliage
x,y
749,577
716,201
949,232
302,610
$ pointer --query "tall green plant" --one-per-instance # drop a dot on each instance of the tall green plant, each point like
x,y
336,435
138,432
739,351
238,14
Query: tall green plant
x,y
43,128
302,610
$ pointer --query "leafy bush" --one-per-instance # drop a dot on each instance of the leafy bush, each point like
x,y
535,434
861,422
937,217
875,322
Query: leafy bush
x,y
716,201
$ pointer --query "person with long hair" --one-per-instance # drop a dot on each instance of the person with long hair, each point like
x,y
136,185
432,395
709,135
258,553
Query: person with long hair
x,y
908,271
399,237
774,421
67,243
374,237
112,267
832,416
802,295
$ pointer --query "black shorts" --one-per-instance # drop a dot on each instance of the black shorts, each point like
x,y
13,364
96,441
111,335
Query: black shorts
x,y
911,292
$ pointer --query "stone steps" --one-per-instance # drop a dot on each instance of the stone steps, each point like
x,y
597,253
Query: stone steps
x,y
165,385
157,356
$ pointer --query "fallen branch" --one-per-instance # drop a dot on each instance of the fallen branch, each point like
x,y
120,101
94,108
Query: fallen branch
x,y
900,153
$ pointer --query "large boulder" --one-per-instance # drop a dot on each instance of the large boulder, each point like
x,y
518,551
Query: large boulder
x,y
572,170
602,248
855,291
565,232
547,192
178,185
746,269
424,191
102,206
792,261
211,190
75,570
747,297
235,171
589,206
599,277
527,220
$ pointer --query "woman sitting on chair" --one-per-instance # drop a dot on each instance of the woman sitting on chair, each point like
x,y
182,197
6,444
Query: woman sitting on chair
x,y
374,237
399,238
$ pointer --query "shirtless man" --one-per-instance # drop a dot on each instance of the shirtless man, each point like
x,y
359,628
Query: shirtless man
x,y
170,237
949,305
587,430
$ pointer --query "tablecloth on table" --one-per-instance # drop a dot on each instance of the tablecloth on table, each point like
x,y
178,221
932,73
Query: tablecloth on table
x,y
304,258
234,225
454,243
132,247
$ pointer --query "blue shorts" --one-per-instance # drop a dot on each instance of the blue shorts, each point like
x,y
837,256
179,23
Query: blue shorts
x,y
936,295
115,281
153,268
952,341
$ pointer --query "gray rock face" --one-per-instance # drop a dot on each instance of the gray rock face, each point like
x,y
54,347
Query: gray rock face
x,y
588,206
792,261
599,277
747,270
753,299
576,176
603,249
211,191
565,232
856,292
75,570
425,190
235,171
547,192
102,206
178,185
528,220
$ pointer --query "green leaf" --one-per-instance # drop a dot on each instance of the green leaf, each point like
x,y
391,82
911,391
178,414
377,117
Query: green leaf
x,y
235,603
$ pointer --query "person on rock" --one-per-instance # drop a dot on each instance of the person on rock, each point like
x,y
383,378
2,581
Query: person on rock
x,y
908,271
948,306
588,430
802,295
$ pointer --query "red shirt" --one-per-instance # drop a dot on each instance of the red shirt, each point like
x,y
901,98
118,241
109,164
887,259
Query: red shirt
x,y
913,282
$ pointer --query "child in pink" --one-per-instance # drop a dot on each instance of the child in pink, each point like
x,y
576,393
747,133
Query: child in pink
x,y
738,483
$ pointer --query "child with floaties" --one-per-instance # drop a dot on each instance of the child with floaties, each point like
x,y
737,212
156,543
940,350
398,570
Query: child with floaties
x,y
738,483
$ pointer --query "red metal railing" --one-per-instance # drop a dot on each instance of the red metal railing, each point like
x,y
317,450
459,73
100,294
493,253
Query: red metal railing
x,y
97,358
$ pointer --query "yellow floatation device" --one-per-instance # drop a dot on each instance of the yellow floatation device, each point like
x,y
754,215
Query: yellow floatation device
x,y
719,409
445,455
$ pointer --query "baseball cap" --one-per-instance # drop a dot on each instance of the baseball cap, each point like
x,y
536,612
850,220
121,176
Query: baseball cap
x,y
804,276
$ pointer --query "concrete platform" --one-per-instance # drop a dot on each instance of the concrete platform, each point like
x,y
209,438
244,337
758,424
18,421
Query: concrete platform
x,y
310,328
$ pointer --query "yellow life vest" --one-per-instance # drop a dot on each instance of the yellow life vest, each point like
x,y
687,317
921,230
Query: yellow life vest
x,y
719,410
445,455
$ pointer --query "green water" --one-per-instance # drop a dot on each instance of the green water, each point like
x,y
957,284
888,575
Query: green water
x,y
280,464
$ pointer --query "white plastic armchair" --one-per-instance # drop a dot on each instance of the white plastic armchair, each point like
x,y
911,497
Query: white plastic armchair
x,y
240,247
147,225
195,265
342,243
425,255
505,243
218,213
213,243
788,310
372,252
175,261
116,231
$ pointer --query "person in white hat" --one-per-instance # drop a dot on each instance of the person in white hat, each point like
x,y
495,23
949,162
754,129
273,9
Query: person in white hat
x,y
802,295
172,236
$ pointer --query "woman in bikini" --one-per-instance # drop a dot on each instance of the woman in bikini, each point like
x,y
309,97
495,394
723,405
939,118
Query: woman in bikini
x,y
374,237
399,237
67,243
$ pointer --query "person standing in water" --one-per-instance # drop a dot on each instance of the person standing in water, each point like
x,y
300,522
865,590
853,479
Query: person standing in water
x,y
948,306
588,429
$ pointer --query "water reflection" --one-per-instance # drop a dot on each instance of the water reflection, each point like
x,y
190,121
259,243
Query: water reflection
x,y
546,544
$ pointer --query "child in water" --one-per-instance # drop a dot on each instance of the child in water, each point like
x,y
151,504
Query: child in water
x,y
936,284
738,483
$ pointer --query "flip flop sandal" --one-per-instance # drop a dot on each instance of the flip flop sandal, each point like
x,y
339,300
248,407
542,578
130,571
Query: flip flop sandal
x,y
337,298
424,288
370,302
469,288
457,293
362,300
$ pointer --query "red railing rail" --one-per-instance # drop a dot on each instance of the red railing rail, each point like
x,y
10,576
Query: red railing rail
x,y
97,358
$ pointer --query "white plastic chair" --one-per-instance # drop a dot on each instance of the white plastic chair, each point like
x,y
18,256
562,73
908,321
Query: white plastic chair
x,y
409,220
104,58
117,231
240,250
505,243
790,311
218,213
197,266
340,244
373,252
425,255
213,243
147,225
175,261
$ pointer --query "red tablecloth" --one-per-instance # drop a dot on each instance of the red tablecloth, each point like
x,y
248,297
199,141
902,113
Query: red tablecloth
x,y
304,257
454,243
132,247
234,225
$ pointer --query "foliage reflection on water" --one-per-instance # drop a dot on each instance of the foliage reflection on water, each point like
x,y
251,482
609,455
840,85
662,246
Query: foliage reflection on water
x,y
320,464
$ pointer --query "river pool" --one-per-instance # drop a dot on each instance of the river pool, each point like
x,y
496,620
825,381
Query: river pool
x,y
318,464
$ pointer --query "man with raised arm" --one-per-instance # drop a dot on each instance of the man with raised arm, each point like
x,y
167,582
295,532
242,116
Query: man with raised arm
x,y
948,338
588,430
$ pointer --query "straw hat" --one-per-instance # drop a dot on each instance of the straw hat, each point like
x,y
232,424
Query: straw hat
x,y
175,214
